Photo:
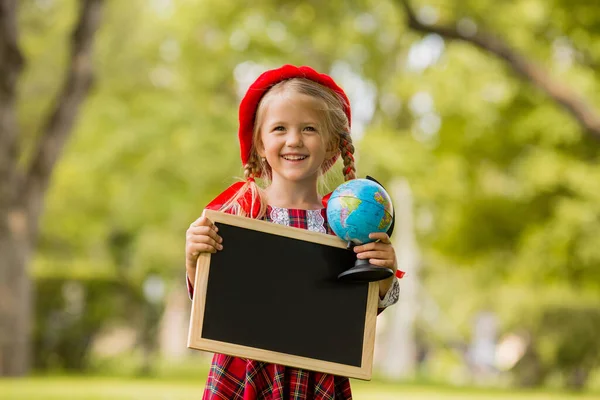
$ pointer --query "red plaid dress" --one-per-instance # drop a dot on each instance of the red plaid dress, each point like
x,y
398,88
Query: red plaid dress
x,y
235,378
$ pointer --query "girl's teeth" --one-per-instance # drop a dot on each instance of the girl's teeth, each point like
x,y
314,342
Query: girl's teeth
x,y
294,158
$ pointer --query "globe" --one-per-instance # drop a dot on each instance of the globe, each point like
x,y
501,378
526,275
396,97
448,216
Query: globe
x,y
357,208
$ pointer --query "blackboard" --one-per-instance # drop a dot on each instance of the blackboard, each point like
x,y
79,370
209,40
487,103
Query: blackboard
x,y
272,295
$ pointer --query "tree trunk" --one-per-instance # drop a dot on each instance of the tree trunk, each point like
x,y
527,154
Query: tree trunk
x,y
14,283
15,294
22,190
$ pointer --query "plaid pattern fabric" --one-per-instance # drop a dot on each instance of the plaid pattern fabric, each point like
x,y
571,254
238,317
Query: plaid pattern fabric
x,y
234,378
297,218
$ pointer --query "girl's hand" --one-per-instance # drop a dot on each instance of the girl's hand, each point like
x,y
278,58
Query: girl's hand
x,y
379,253
201,237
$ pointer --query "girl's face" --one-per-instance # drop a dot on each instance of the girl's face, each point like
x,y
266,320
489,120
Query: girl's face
x,y
291,137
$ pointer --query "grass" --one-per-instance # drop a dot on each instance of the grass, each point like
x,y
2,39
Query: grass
x,y
114,388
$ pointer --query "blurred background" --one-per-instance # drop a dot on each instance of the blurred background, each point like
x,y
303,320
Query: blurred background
x,y
118,123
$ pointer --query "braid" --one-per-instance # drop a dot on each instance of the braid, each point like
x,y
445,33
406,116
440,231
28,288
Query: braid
x,y
249,200
248,173
251,169
347,152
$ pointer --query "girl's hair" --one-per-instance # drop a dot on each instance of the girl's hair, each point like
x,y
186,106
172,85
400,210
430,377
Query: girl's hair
x,y
335,136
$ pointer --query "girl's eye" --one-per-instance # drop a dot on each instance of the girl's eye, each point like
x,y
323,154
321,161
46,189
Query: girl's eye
x,y
311,128
279,128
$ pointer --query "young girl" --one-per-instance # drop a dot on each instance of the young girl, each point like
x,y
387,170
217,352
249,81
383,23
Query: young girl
x,y
294,124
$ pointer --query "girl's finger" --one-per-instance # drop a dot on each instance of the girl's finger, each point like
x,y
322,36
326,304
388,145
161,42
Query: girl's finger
x,y
371,246
198,248
381,237
382,263
202,239
204,231
203,221
382,255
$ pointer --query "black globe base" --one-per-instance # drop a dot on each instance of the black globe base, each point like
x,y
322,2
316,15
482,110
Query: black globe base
x,y
363,271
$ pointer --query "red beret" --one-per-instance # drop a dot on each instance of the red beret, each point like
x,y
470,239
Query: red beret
x,y
262,85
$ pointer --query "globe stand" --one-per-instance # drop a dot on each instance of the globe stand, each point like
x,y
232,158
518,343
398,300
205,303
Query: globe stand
x,y
364,271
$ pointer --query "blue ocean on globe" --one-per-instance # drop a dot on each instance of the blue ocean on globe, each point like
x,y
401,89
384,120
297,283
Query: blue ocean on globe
x,y
357,208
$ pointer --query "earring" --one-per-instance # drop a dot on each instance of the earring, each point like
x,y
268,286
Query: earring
x,y
263,159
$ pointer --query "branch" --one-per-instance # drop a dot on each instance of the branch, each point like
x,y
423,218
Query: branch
x,y
585,115
11,64
59,125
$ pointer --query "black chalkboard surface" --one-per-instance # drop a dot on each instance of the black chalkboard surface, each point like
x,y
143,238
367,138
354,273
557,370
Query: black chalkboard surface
x,y
272,295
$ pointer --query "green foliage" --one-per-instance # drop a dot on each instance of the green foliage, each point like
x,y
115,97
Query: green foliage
x,y
70,314
573,335
564,340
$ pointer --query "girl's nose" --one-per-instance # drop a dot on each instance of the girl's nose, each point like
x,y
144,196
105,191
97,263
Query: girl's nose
x,y
294,138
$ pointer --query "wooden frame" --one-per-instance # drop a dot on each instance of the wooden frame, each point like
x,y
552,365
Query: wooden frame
x,y
198,342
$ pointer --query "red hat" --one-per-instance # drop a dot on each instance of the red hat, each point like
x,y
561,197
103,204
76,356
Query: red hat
x,y
266,81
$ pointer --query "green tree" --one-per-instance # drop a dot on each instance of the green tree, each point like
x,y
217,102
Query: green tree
x,y
499,140
27,161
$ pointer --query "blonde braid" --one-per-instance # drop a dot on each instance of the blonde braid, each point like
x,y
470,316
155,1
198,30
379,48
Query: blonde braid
x,y
251,169
249,200
347,152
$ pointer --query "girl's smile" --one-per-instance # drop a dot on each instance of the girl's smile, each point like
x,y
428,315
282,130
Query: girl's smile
x,y
294,157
